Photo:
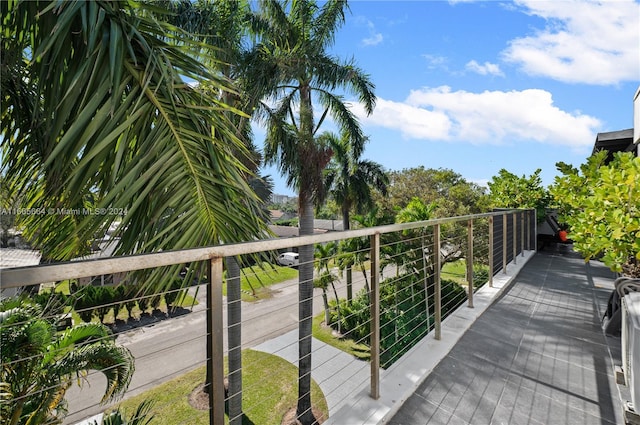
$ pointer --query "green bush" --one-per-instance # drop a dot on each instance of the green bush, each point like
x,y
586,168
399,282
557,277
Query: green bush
x,y
175,294
403,316
600,204
104,298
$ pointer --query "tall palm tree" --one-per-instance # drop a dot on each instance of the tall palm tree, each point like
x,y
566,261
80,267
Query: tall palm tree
x,y
292,52
224,27
98,104
40,364
350,180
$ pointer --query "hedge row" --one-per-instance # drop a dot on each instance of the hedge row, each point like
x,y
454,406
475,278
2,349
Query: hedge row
x,y
97,301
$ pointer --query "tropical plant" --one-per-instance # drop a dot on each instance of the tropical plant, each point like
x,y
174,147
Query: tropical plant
x,y
292,59
40,364
417,210
325,277
141,416
357,251
403,319
96,109
599,202
350,181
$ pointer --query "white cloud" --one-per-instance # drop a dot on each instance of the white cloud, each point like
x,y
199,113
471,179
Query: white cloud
x,y
583,42
436,62
487,68
490,117
375,39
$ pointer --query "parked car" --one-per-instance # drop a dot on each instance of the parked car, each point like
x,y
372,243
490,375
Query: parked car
x,y
289,259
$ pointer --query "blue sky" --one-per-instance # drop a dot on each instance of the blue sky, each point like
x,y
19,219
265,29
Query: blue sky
x,y
476,86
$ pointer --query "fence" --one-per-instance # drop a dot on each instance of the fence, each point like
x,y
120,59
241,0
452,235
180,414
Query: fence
x,y
381,289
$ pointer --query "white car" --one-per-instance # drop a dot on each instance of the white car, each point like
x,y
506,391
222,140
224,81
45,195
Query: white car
x,y
289,259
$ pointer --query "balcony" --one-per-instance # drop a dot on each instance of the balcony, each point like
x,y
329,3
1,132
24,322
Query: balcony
x,y
526,346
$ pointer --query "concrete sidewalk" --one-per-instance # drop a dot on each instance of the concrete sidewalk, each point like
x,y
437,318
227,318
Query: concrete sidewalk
x,y
338,374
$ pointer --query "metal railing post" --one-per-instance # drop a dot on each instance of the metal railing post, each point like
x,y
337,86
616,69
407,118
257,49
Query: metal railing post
x,y
470,262
234,337
515,237
438,287
535,231
375,316
490,252
529,230
504,243
522,233
216,358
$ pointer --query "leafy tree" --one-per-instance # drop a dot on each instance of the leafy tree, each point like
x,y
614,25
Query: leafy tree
x,y
600,204
39,364
292,54
452,193
510,191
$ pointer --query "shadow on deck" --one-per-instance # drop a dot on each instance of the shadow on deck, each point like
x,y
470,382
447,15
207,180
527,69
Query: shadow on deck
x,y
536,356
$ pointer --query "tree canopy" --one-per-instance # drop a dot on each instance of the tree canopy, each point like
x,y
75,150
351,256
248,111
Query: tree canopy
x,y
510,191
451,193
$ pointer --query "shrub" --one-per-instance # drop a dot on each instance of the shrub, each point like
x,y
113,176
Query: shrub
x,y
175,294
600,204
403,316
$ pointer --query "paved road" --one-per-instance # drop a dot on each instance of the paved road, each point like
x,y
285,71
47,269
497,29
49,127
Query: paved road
x,y
172,347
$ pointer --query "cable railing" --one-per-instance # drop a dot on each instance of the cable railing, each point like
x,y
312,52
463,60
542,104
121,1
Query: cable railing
x,y
399,293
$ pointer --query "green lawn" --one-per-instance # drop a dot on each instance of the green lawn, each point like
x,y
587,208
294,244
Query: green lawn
x,y
325,334
269,391
255,281
456,271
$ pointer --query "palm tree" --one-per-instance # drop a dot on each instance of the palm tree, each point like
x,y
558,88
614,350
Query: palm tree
x,y
323,254
97,103
356,251
292,52
39,364
350,179
417,210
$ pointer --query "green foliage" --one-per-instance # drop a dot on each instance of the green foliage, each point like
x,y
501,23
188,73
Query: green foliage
x,y
452,194
510,191
600,203
141,415
403,319
175,293
291,222
39,363
112,125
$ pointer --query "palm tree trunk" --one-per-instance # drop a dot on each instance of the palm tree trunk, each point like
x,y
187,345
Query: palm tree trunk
x,y
337,307
305,313
325,301
346,225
